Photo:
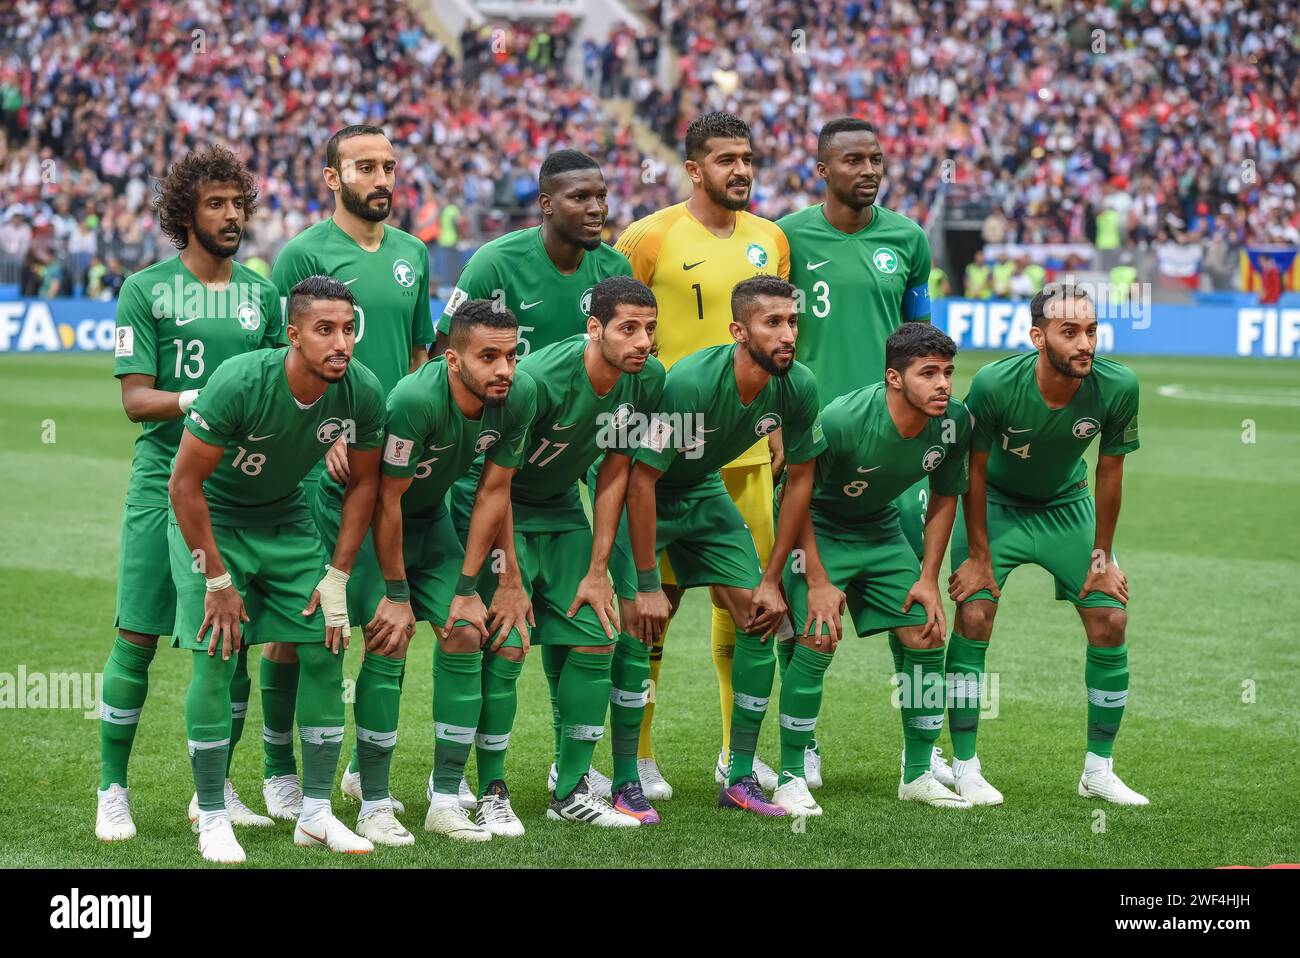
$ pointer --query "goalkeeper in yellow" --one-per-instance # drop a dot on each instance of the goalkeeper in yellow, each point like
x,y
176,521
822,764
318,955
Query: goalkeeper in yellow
x,y
692,255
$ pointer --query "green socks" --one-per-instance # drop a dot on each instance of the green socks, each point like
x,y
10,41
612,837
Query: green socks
x,y
240,686
379,697
896,652
752,670
922,707
553,657
207,727
583,699
457,702
801,700
628,694
126,683
1106,676
965,671
784,653
320,717
496,718
279,685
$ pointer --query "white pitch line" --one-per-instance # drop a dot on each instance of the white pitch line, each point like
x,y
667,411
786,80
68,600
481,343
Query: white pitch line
x,y
1178,391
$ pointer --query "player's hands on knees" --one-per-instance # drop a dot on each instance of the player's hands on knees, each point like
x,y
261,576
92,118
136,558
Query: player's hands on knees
x,y
1112,582
825,608
511,610
331,597
970,577
767,609
653,610
391,628
925,593
596,591
223,611
468,608
336,461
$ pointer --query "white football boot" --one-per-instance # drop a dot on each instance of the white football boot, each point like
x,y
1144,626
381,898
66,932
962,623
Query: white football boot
x,y
382,828
217,842
600,784
930,791
240,814
793,795
1100,781
351,787
590,809
496,815
653,784
446,817
939,767
971,783
326,831
283,797
812,767
113,821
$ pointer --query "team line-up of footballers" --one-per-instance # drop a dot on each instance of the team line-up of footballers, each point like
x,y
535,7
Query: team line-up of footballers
x,y
306,468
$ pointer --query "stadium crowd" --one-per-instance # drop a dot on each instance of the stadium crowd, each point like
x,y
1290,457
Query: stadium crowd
x,y
1176,122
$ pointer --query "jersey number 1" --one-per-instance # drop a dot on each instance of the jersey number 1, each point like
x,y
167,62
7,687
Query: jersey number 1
x,y
699,300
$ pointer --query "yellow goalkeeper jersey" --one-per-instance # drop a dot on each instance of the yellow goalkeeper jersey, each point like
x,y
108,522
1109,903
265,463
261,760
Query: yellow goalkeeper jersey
x,y
692,273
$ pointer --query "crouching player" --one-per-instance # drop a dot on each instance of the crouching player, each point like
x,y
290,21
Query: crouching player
x,y
880,440
466,402
241,523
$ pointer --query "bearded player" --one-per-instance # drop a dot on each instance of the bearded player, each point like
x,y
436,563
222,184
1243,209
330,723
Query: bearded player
x,y
692,255
1035,416
545,274
387,272
177,321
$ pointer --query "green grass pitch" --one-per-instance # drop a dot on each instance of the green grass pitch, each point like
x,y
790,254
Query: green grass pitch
x,y
1207,538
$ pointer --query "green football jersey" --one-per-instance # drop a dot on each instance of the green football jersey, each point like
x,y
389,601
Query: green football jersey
x,y
571,428
867,464
271,441
854,288
172,327
390,286
700,398
1036,453
549,305
429,438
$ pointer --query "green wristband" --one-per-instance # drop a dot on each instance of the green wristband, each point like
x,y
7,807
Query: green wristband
x,y
397,590
466,584
647,580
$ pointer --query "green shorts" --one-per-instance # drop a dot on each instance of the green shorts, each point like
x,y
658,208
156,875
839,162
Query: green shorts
x,y
1057,538
431,552
552,565
146,598
706,540
874,576
460,498
912,504
275,569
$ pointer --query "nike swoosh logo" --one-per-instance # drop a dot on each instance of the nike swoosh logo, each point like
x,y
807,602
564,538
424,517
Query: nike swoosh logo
x,y
558,428
116,716
260,438
315,838
332,737
441,448
813,266
496,741
691,266
1029,429
183,322
523,305
872,469
349,282
1108,701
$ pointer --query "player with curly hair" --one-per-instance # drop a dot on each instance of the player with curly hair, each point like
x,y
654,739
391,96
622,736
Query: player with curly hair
x,y
177,321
